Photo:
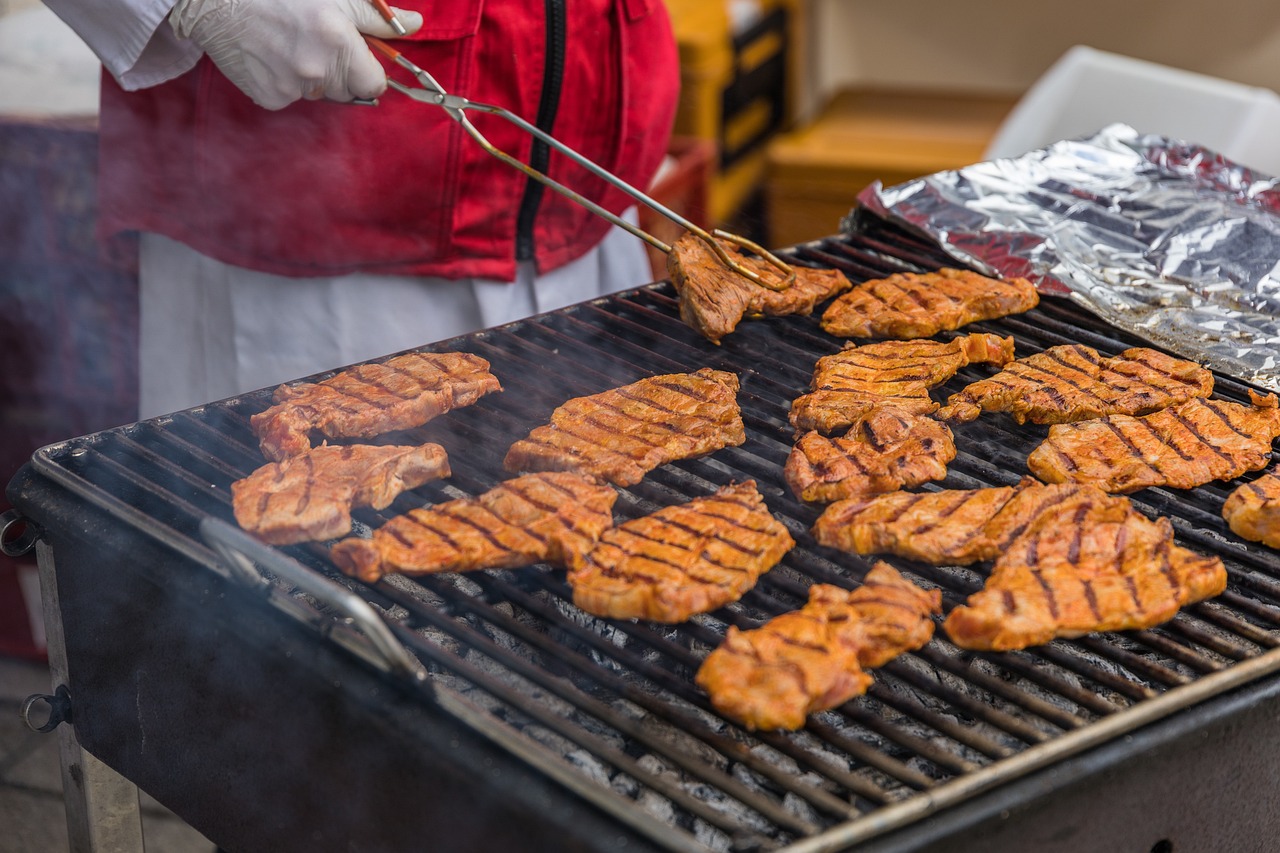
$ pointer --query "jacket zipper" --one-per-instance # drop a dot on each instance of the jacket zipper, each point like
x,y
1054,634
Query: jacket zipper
x,y
548,106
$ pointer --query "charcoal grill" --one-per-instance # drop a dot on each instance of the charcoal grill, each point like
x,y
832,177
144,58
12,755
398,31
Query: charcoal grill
x,y
251,691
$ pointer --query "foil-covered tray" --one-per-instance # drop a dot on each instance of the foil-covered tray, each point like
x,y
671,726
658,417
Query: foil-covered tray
x,y
1162,238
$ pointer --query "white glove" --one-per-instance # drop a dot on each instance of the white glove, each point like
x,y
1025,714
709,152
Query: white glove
x,y
277,51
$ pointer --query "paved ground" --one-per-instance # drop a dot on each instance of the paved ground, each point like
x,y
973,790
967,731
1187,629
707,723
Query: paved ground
x,y
32,818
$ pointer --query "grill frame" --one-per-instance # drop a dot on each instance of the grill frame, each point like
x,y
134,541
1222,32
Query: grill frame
x,y
48,489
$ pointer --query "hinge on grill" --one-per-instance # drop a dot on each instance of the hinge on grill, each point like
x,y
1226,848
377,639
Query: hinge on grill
x,y
59,709
17,535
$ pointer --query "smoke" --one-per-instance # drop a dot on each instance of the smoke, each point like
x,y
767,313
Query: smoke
x,y
68,305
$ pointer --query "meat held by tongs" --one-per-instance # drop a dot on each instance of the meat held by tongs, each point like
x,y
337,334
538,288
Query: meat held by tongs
x,y
713,299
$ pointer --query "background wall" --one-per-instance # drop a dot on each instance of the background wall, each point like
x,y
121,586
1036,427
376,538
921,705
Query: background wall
x,y
14,5
1002,46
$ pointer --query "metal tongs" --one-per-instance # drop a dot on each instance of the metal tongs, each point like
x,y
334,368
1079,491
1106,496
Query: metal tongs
x,y
431,92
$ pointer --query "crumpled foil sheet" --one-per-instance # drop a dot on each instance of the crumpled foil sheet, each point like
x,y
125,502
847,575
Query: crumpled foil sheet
x,y
1169,241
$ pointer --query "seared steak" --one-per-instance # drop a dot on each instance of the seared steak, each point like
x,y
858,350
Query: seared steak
x,y
888,449
900,373
682,559
531,519
1185,446
370,399
310,496
1105,567
1253,510
813,658
714,298
622,434
918,305
1073,382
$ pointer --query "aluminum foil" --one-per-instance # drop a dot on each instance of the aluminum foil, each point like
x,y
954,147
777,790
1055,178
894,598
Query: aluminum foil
x,y
1164,239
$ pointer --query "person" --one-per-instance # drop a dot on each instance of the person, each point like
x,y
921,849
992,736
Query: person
x,y
286,230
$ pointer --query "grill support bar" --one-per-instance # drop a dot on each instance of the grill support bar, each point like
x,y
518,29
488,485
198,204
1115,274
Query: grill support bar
x,y
102,807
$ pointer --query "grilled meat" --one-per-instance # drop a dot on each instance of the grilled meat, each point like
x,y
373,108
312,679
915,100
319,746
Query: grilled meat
x,y
918,305
310,496
1069,559
813,658
1253,510
714,298
1105,567
621,434
900,373
371,399
941,527
886,450
681,560
1185,446
952,526
1073,382
531,519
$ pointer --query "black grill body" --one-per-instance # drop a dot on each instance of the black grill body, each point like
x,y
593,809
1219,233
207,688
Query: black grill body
x,y
249,716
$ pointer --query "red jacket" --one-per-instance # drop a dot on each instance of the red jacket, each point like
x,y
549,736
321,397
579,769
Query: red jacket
x,y
322,188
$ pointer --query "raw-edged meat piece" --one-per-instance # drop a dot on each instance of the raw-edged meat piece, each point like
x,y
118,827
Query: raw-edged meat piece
x,y
310,496
681,560
714,298
814,658
899,373
887,449
918,305
621,434
372,399
1182,447
537,518
1073,382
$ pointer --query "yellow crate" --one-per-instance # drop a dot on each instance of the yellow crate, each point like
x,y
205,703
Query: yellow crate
x,y
814,174
736,88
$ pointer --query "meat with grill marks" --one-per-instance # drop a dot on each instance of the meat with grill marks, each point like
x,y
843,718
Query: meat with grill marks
x,y
1182,447
536,518
1073,382
847,384
310,496
887,449
1253,510
918,305
714,298
372,399
621,434
947,527
814,658
681,560
1104,567
1068,559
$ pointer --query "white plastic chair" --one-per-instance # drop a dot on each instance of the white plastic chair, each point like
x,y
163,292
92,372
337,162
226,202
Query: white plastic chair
x,y
1088,89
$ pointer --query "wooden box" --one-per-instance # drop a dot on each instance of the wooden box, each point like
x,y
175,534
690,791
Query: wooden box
x,y
814,174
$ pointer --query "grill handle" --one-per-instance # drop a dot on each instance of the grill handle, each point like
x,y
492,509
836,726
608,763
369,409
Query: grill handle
x,y
242,554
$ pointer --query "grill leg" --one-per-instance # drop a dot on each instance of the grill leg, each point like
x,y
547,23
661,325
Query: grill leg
x,y
103,815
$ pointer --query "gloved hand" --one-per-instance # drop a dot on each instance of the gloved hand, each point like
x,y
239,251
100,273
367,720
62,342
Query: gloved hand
x,y
277,51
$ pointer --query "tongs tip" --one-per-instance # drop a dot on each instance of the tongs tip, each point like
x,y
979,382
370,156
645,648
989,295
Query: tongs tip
x,y
776,284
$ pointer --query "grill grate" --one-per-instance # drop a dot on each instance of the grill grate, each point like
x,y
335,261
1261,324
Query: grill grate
x,y
614,704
